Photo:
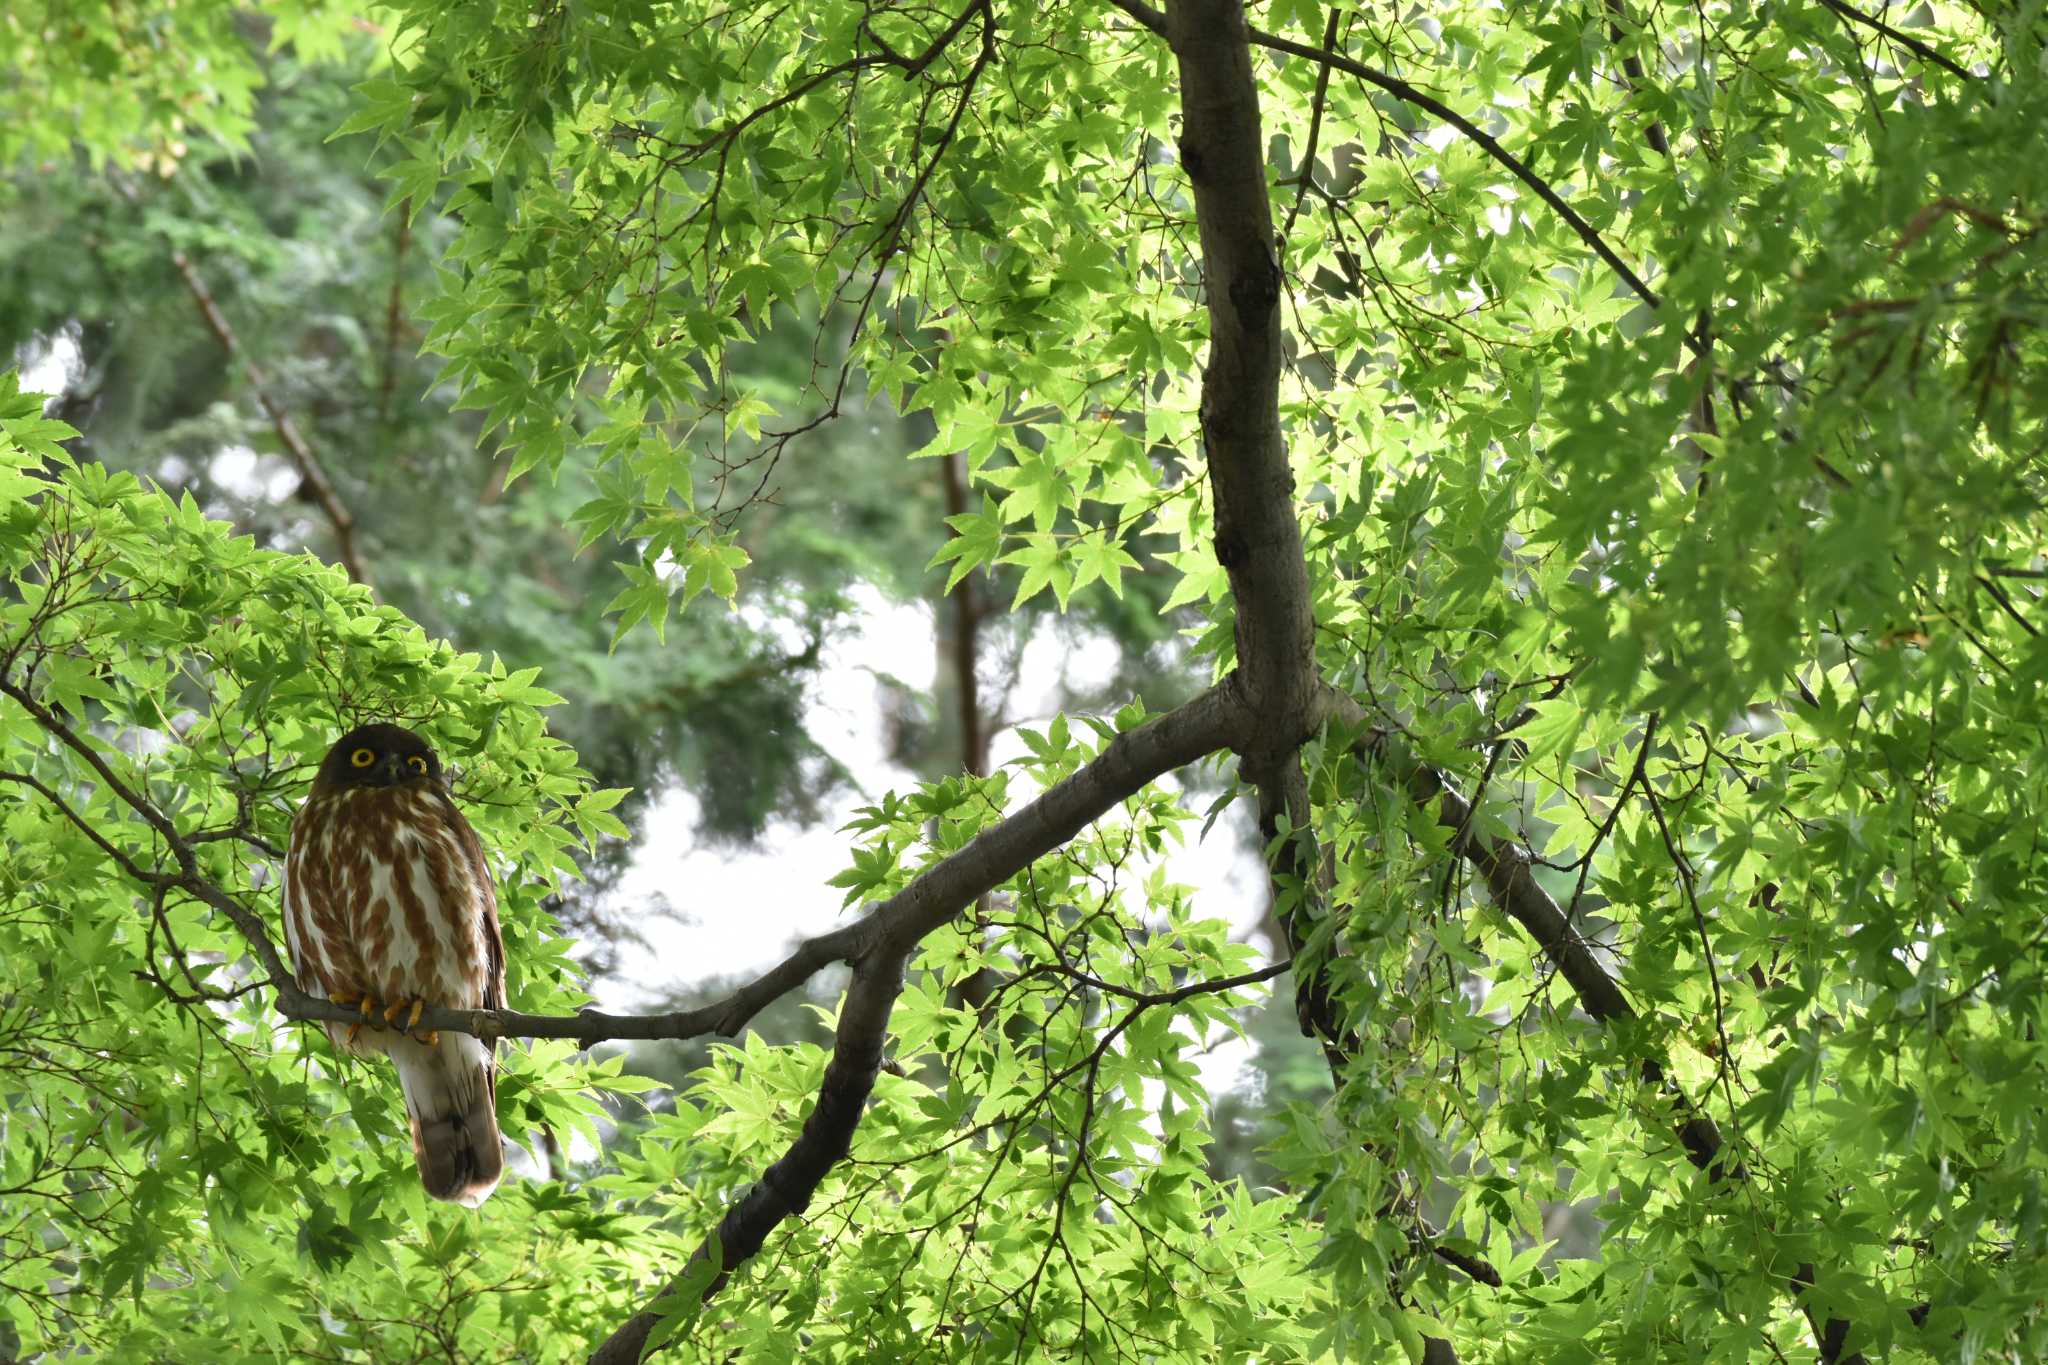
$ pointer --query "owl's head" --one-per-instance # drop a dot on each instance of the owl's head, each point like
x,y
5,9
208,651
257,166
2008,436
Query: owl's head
x,y
377,756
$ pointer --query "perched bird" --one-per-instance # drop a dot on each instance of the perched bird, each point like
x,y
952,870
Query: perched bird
x,y
389,908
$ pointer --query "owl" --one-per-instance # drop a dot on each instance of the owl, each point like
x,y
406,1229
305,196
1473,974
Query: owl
x,y
389,909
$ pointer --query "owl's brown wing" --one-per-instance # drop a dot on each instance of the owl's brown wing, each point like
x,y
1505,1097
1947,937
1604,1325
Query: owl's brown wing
x,y
316,928
487,895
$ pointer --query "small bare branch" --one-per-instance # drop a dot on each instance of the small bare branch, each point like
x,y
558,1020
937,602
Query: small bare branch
x,y
310,469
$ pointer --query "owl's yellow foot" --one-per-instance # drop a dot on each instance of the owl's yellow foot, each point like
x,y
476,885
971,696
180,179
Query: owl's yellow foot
x,y
418,1007
378,1015
369,1011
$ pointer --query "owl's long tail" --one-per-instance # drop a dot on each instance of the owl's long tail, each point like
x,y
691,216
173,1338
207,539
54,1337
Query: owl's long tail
x,y
451,1098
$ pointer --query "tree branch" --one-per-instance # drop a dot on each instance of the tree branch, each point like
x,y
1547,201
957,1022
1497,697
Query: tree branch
x,y
1258,531
121,860
1911,44
1506,869
1307,171
309,467
892,932
1632,67
967,615
394,311
895,925
1258,537
964,655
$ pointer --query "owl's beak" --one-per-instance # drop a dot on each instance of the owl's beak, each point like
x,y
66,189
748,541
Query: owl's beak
x,y
390,770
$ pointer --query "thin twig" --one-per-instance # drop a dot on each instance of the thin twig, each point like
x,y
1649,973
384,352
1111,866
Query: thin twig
x,y
1315,126
1905,40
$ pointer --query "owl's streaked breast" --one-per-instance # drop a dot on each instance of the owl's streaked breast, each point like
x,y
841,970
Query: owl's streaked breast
x,y
381,896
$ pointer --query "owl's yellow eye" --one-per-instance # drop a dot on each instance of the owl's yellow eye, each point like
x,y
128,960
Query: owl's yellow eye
x,y
417,764
363,758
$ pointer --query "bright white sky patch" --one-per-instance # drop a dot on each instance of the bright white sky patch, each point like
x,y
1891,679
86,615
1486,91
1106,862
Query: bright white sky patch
x,y
49,364
243,473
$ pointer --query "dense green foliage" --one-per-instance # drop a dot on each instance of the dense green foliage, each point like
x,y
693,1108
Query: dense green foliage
x,y
166,1137
1715,584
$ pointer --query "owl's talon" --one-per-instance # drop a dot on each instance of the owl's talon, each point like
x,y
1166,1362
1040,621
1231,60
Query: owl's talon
x,y
412,1020
377,1015
367,1007
432,1037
